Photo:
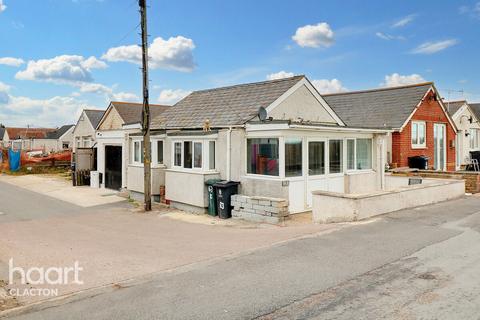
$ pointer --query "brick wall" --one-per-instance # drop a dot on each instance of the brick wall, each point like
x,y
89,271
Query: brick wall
x,y
472,179
431,112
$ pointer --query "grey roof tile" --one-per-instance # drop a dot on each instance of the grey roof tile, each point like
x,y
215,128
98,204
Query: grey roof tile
x,y
453,106
225,106
384,107
132,112
94,116
59,132
475,108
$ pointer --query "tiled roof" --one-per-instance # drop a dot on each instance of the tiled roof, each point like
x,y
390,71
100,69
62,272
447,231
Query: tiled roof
x,y
94,116
132,112
453,106
28,133
59,132
224,106
475,108
378,108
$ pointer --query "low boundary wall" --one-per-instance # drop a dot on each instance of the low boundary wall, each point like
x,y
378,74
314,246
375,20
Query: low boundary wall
x,y
340,207
472,179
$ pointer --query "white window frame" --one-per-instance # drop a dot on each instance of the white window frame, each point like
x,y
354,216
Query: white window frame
x,y
326,156
153,152
132,144
371,156
281,157
205,154
418,145
354,154
474,139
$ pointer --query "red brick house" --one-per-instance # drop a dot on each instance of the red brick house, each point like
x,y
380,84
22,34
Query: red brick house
x,y
416,114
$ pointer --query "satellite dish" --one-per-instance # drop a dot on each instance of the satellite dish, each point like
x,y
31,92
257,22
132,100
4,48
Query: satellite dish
x,y
262,114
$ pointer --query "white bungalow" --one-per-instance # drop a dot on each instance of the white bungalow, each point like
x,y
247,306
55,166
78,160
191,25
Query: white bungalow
x,y
279,139
112,135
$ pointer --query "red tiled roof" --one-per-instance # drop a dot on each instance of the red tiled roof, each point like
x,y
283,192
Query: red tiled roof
x,y
28,133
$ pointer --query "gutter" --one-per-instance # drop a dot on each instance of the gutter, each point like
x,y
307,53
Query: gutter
x,y
342,129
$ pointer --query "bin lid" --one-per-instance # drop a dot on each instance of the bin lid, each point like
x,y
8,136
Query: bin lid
x,y
226,184
211,182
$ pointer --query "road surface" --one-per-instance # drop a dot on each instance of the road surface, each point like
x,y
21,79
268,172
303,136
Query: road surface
x,y
420,263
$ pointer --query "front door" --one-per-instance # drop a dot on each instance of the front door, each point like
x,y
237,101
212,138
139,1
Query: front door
x,y
314,157
316,168
439,147
113,167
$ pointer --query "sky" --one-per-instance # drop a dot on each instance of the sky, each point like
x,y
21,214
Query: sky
x,y
60,56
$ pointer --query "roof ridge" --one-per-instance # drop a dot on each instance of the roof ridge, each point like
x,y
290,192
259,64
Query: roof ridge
x,y
251,83
453,101
136,103
379,89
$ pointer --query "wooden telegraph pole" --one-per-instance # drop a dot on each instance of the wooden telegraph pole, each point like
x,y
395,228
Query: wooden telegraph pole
x,y
146,110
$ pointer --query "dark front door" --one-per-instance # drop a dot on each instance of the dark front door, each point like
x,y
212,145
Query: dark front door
x,y
113,167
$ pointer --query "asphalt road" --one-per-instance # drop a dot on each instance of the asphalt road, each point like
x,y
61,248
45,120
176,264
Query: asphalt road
x,y
21,204
420,263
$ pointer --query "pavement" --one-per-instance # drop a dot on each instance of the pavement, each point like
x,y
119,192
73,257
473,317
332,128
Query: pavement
x,y
116,242
413,264
62,189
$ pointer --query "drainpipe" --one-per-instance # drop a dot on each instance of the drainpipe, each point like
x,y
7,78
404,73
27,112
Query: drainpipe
x,y
229,152
382,161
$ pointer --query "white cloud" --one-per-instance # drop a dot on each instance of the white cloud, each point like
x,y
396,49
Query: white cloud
x,y
4,96
61,69
56,111
2,6
170,96
109,93
13,62
386,36
473,11
325,86
176,53
279,75
125,96
433,47
404,21
314,36
395,80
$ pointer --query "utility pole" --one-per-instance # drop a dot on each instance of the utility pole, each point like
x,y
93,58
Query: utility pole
x,y
146,111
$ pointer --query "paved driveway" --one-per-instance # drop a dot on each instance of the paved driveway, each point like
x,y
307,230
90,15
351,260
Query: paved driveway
x,y
114,242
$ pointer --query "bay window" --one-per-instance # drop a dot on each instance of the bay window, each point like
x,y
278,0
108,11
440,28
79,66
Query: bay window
x,y
211,155
418,134
293,157
189,154
197,155
364,154
359,154
336,156
177,161
263,156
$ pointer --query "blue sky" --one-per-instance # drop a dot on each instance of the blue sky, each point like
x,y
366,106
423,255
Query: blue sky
x,y
58,56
